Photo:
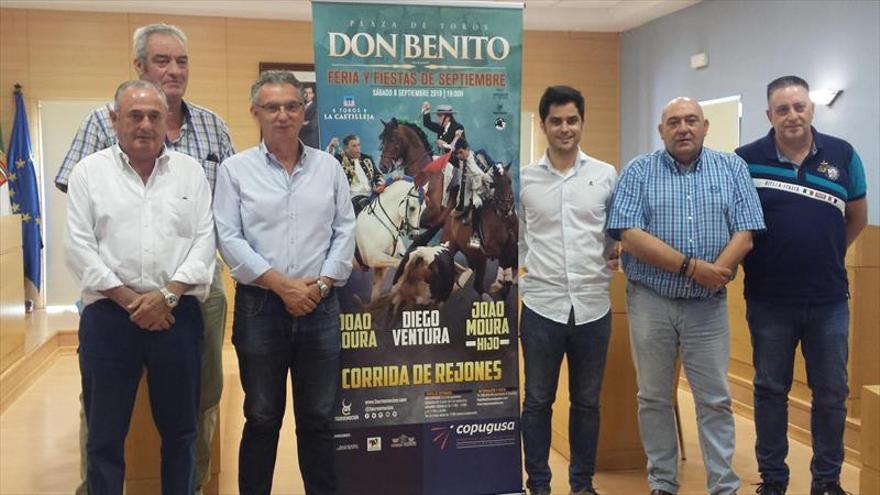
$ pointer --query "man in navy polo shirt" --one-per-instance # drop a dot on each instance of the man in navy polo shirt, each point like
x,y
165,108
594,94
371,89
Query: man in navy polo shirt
x,y
812,190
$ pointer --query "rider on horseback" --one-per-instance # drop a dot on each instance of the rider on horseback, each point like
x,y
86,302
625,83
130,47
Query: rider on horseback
x,y
364,177
472,184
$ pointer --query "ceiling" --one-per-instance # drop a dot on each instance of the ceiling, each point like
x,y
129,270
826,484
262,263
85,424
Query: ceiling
x,y
553,15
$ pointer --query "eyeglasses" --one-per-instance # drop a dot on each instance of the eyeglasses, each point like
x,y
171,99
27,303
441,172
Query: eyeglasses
x,y
289,107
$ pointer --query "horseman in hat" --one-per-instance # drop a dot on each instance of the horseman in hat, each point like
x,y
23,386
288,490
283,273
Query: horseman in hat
x,y
445,128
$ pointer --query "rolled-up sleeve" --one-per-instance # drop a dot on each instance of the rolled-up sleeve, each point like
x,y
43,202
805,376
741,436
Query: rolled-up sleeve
x,y
627,211
746,213
80,244
245,264
337,264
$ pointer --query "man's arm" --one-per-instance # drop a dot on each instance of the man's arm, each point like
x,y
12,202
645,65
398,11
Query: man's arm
x,y
197,269
429,124
245,264
337,265
81,245
653,251
94,134
736,249
856,217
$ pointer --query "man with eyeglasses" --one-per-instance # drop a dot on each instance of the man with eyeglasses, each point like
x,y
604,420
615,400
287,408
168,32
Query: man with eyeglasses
x,y
285,226
161,57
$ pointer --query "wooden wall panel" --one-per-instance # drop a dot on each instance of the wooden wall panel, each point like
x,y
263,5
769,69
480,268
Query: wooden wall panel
x,y
13,63
12,315
588,62
76,54
250,42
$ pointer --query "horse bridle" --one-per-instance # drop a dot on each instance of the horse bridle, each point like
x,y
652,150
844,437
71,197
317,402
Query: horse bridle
x,y
405,226
385,155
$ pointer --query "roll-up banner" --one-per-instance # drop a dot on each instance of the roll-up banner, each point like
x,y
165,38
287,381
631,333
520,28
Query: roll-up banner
x,y
429,395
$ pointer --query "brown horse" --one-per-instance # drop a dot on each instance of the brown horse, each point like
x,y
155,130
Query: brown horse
x,y
405,145
498,228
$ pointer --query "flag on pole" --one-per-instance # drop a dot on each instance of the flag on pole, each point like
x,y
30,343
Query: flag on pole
x,y
23,193
2,159
5,209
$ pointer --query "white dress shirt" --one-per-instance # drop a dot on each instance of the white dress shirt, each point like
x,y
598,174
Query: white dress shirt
x,y
563,244
121,231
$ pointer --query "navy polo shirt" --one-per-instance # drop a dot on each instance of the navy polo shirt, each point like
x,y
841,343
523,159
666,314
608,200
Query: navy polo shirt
x,y
800,257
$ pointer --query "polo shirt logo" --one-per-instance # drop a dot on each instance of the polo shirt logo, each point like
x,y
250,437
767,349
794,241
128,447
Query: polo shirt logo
x,y
830,171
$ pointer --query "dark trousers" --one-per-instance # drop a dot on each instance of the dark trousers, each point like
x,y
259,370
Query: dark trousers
x,y
113,353
270,343
544,343
823,332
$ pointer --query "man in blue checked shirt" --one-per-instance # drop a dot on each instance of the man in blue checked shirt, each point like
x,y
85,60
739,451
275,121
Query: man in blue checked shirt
x,y
286,229
812,188
161,57
685,215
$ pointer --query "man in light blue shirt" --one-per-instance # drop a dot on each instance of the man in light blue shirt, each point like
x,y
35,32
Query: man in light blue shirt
x,y
685,215
286,229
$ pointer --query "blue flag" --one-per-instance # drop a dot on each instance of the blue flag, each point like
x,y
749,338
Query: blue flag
x,y
23,192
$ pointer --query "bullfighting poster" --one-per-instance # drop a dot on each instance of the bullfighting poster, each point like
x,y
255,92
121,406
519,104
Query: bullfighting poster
x,y
421,106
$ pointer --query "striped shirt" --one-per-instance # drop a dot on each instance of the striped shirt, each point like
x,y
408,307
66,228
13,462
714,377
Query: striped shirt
x,y
695,212
203,136
801,257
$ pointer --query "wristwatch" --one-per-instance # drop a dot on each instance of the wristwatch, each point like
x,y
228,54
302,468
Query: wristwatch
x,y
171,298
324,288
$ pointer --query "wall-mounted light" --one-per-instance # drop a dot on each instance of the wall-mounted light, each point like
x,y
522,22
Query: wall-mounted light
x,y
825,96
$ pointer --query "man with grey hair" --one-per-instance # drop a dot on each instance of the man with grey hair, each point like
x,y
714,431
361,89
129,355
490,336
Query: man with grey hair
x,y
285,225
140,278
160,56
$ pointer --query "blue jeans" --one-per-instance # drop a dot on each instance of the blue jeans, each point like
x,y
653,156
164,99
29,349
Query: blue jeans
x,y
823,332
113,353
661,330
544,343
270,343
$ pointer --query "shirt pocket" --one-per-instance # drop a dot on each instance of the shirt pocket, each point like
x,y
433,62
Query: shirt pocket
x,y
179,217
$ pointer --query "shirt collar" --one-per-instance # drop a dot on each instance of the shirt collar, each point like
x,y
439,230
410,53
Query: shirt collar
x,y
304,155
674,164
579,162
124,161
187,116
772,151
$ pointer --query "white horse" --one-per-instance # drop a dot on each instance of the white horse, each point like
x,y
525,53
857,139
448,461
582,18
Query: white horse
x,y
380,226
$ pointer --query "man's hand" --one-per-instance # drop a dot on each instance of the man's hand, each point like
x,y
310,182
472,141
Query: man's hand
x,y
121,295
380,188
613,260
150,312
710,275
300,295
426,107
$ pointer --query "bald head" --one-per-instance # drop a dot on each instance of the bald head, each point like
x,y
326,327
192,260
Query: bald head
x,y
683,129
681,102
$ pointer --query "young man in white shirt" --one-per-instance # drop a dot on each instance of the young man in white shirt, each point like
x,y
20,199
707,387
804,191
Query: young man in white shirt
x,y
566,307
140,241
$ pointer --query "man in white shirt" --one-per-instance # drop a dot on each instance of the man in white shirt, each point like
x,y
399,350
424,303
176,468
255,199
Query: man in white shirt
x,y
140,241
566,308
